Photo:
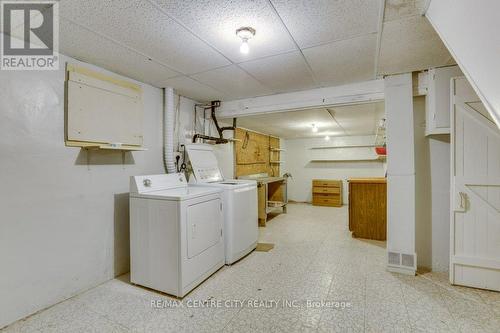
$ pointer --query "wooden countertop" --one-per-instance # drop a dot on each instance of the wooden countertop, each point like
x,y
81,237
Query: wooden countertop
x,y
368,180
267,180
264,180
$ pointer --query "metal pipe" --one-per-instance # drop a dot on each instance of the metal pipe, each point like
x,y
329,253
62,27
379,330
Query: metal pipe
x,y
211,138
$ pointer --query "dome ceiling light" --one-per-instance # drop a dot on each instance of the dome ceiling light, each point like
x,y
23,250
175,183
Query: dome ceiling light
x,y
245,33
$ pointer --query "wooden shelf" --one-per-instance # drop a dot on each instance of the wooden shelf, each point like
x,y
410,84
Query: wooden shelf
x,y
344,146
348,160
103,146
272,205
275,149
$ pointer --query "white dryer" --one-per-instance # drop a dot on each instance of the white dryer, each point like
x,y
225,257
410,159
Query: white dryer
x,y
176,233
241,226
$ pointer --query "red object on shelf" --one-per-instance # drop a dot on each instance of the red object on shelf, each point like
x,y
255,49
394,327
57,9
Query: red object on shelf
x,y
381,150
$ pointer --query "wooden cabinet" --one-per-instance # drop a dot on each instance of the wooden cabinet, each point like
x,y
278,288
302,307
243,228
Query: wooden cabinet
x,y
368,208
327,192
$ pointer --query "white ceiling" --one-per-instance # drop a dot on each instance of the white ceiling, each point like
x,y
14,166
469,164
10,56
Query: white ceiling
x,y
348,120
191,44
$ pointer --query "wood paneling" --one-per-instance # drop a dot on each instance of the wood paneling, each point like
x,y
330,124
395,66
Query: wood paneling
x,y
368,208
253,153
327,192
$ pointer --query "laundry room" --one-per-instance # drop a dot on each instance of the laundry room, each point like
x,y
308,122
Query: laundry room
x,y
249,166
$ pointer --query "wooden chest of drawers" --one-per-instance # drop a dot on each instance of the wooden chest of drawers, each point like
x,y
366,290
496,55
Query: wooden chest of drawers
x,y
368,208
327,192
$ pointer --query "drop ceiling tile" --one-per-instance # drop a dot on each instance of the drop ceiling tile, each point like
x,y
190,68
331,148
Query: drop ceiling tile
x,y
233,81
410,44
342,62
282,73
81,44
193,89
397,9
318,22
359,119
292,124
216,22
141,26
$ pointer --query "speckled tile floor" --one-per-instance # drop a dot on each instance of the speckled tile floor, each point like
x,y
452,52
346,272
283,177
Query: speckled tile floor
x,y
315,259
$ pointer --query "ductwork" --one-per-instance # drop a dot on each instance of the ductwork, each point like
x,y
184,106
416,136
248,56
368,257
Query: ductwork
x,y
168,130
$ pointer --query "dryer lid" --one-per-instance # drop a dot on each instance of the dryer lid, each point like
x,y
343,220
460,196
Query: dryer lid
x,y
204,163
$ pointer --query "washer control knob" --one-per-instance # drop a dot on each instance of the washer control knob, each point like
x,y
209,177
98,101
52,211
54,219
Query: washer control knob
x,y
147,182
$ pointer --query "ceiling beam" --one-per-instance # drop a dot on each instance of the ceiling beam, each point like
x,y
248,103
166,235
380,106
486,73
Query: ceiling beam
x,y
379,36
355,93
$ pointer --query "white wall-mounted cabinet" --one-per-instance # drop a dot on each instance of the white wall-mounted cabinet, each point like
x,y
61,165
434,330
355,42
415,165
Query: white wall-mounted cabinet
x,y
438,99
103,112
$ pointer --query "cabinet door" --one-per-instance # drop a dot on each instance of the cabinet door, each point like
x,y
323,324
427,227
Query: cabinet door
x,y
438,99
368,208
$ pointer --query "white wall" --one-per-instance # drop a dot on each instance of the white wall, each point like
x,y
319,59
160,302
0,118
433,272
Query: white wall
x,y
225,152
225,157
185,128
469,30
298,157
423,197
440,193
63,222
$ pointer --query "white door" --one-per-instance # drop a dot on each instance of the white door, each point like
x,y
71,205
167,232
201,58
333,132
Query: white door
x,y
475,219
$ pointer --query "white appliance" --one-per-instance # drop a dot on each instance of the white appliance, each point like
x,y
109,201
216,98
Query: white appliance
x,y
241,228
176,237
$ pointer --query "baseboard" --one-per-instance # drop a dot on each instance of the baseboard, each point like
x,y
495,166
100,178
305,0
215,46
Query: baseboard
x,y
401,270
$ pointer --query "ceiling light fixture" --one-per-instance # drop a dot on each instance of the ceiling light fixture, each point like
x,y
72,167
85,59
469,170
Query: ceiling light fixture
x,y
314,128
327,138
245,33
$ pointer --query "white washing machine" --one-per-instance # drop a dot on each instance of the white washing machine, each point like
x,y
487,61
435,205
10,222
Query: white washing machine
x,y
176,233
241,226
